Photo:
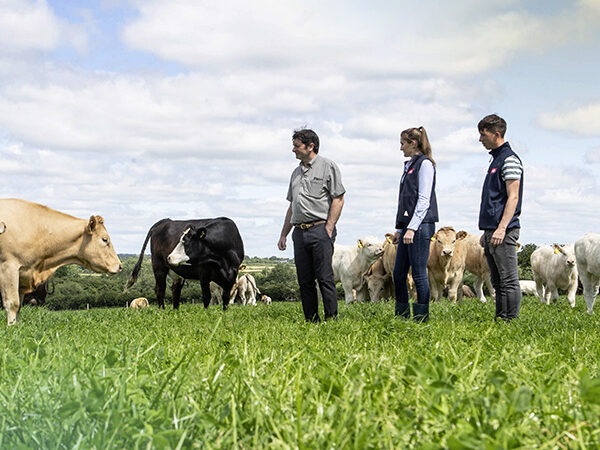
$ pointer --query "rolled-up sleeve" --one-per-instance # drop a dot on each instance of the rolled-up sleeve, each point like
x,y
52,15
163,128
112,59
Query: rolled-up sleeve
x,y
426,175
334,181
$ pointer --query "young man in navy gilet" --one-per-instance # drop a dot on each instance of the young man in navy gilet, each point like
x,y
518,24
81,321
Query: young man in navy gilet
x,y
501,200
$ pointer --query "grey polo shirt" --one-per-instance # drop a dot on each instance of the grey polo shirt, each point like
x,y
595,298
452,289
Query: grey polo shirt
x,y
312,188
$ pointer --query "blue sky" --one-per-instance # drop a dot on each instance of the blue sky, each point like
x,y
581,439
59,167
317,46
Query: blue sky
x,y
140,110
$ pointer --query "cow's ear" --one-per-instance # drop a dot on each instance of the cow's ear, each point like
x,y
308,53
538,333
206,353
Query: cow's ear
x,y
199,232
92,224
242,267
558,249
461,235
360,243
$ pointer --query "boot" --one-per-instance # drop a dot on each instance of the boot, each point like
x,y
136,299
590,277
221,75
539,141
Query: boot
x,y
420,312
403,310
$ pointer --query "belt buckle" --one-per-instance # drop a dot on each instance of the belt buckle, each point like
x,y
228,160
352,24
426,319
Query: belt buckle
x,y
305,226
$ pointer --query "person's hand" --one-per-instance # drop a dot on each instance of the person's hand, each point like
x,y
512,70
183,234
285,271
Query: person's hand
x,y
282,243
498,237
409,237
396,238
329,229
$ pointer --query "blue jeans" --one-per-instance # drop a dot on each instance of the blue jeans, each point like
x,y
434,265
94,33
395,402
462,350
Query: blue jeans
x,y
414,256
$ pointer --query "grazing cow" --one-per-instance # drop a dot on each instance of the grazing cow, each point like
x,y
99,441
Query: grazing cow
x,y
528,287
265,299
587,251
351,263
139,303
204,249
476,263
554,267
446,264
246,288
379,281
37,240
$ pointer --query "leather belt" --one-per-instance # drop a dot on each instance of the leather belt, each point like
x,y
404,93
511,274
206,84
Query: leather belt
x,y
306,226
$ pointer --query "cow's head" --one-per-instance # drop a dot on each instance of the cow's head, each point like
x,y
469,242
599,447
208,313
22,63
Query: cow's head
x,y
188,248
97,252
369,249
444,241
567,252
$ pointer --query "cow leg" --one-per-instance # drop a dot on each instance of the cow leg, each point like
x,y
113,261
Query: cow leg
x,y
554,294
160,288
548,293
590,289
176,288
347,285
572,292
478,285
205,285
11,299
488,283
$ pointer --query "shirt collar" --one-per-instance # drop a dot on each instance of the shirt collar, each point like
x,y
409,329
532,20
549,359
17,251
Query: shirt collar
x,y
310,164
497,150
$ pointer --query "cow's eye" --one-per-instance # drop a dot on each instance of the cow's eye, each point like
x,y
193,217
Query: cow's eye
x,y
105,240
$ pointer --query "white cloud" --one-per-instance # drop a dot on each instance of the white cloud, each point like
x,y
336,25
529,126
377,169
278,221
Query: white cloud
x,y
583,120
593,156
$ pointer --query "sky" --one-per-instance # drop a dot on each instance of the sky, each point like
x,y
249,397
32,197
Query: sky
x,y
141,110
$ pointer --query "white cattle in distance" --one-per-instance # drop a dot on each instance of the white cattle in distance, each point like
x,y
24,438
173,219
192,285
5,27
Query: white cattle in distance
x,y
554,267
351,263
476,263
266,299
446,265
246,288
587,252
528,287
139,303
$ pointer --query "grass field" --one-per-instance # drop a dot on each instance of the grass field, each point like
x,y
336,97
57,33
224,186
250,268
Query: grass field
x,y
257,377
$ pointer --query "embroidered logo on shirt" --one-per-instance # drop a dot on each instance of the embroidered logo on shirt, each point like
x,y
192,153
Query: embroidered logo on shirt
x,y
410,171
405,213
494,170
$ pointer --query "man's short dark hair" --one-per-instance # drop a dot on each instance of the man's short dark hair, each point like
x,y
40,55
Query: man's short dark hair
x,y
307,137
493,124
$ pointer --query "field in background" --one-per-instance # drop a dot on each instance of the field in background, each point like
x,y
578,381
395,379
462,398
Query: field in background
x,y
259,376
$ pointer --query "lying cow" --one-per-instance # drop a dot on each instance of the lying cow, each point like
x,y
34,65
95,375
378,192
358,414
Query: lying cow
x,y
528,287
476,263
554,267
204,249
139,303
446,264
37,240
587,251
246,288
351,263
266,299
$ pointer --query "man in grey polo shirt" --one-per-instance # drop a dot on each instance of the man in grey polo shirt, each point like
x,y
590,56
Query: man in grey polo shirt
x,y
316,197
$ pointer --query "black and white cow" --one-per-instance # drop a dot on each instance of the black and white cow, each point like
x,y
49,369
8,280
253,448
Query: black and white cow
x,y
204,249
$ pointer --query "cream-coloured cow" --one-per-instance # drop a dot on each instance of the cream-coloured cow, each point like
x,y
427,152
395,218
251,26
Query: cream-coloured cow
x,y
446,265
476,263
245,287
138,303
528,287
266,299
554,267
587,252
351,263
37,240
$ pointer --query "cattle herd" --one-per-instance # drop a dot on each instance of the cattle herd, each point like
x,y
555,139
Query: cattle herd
x,y
36,240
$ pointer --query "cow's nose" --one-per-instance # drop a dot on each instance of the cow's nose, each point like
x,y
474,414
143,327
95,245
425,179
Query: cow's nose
x,y
169,259
120,267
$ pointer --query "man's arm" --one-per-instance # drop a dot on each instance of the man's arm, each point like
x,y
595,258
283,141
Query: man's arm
x,y
287,226
337,203
512,189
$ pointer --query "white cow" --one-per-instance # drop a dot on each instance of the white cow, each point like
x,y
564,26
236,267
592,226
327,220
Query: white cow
x,y
351,263
245,286
554,267
528,287
587,251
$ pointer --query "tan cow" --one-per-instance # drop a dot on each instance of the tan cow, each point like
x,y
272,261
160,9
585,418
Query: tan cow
x,y
138,303
246,288
476,263
38,240
379,281
266,299
446,265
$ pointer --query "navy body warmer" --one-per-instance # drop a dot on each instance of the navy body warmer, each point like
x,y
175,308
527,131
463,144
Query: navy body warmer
x,y
494,194
409,194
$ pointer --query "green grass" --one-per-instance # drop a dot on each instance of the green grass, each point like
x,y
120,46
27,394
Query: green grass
x,y
257,377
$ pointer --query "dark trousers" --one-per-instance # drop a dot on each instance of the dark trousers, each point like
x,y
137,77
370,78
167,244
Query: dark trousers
x,y
504,271
313,251
413,256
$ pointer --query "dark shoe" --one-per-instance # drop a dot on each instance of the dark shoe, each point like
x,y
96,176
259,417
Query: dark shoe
x,y
402,310
420,312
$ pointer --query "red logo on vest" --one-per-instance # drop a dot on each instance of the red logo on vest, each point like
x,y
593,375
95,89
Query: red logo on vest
x,y
410,171
493,170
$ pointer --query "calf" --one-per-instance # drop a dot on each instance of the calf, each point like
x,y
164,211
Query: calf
x,y
587,252
246,288
138,303
446,264
265,299
554,267
351,263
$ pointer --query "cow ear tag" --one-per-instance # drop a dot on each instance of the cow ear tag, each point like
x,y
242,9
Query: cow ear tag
x,y
389,239
518,246
432,238
360,245
556,251
202,234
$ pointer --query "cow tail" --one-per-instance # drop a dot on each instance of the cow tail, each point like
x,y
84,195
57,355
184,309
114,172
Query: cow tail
x,y
253,282
136,270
